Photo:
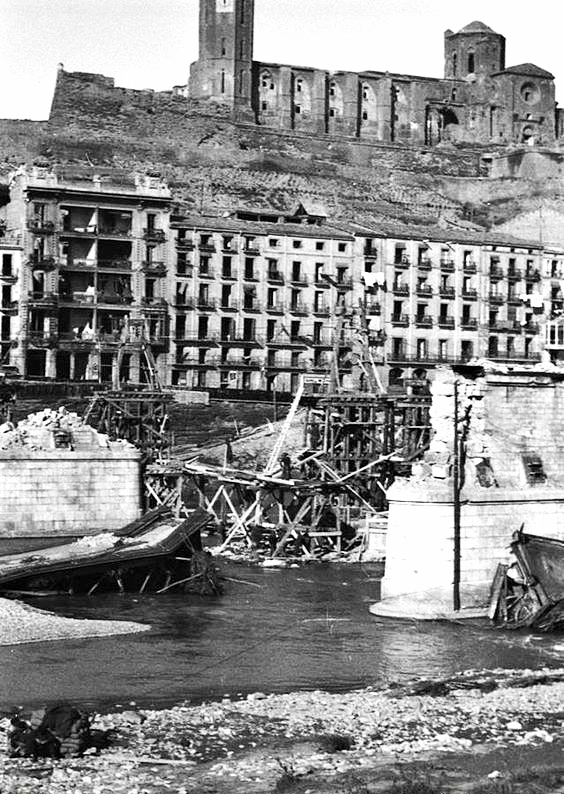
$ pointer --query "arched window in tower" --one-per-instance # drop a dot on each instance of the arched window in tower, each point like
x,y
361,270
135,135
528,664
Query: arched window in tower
x,y
302,96
453,94
224,46
368,108
336,104
454,64
471,63
242,81
267,88
223,81
242,48
242,11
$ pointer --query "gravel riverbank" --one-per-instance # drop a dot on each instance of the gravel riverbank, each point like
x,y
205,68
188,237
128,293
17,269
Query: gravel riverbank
x,y
21,623
496,731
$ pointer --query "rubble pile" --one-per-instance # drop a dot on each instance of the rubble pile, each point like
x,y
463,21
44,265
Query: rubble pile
x,y
49,429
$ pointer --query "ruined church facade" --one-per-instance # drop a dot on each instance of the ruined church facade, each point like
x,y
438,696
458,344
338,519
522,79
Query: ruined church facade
x,y
478,101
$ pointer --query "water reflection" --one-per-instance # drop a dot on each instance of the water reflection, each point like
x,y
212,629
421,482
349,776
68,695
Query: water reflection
x,y
301,629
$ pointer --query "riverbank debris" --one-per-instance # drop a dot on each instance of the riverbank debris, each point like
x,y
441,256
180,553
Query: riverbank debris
x,y
157,554
60,731
529,593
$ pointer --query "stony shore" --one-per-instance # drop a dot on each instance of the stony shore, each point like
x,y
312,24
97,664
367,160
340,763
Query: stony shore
x,y
21,623
489,731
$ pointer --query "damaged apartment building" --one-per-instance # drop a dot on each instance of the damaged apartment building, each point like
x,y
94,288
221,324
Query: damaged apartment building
x,y
90,280
94,267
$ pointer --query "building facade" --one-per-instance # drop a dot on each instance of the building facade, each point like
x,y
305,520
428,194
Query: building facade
x,y
97,268
479,99
91,283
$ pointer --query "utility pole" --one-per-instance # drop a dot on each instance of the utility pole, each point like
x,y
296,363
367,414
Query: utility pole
x,y
456,489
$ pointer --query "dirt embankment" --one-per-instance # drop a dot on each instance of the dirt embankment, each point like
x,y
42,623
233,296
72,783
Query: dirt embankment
x,y
500,732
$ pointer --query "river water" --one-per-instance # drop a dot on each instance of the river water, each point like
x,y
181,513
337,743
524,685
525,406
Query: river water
x,y
276,631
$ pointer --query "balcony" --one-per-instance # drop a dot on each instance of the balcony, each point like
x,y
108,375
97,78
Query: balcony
x,y
229,274
514,300
274,277
400,320
447,265
470,267
250,276
300,308
42,339
345,282
240,362
154,304
255,307
469,323
531,328
373,309
423,321
496,298
250,248
299,281
496,273
43,300
207,248
230,305
447,292
89,230
514,274
8,278
321,281
183,302
185,245
205,304
154,235
469,294
446,322
113,300
400,289
370,252
425,263
322,309
40,226
532,275
506,326
207,273
424,290
43,263
402,263
230,249
154,268
278,307
8,306
124,265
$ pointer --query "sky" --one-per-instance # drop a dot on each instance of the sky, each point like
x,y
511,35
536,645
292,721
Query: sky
x,y
146,44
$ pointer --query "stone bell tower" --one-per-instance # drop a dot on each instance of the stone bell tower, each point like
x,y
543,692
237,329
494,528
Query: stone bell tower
x,y
223,71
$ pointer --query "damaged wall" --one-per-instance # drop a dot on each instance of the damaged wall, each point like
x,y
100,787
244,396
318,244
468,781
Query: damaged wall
x,y
50,493
511,430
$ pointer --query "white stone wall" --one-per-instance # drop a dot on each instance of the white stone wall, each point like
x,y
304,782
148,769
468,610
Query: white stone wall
x,y
46,495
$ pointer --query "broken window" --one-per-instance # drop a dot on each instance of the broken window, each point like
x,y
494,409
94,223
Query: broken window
x,y
467,350
534,469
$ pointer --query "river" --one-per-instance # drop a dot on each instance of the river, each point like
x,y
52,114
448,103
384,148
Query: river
x,y
274,631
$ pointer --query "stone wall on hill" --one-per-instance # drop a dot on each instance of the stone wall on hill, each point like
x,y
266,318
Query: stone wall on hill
x,y
214,164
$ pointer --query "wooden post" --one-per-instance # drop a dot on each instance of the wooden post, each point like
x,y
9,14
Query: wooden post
x,y
456,489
